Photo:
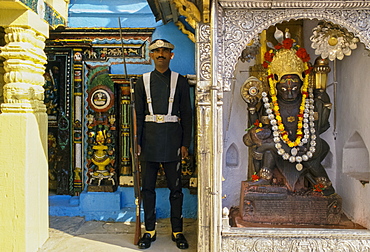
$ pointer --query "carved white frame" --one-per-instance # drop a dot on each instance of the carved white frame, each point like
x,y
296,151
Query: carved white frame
x,y
219,44
242,21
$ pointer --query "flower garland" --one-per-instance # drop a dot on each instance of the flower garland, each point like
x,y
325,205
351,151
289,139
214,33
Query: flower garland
x,y
305,115
308,130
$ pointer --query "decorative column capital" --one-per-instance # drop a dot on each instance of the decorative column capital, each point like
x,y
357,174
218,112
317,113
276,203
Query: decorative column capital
x,y
24,68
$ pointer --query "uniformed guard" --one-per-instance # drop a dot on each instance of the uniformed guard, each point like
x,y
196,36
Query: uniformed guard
x,y
164,125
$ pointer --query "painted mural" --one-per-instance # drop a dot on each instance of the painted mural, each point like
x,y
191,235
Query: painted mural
x,y
100,130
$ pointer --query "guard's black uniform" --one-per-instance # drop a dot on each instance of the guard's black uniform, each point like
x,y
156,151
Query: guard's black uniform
x,y
161,142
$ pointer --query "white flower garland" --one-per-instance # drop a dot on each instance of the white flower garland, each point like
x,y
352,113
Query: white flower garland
x,y
308,131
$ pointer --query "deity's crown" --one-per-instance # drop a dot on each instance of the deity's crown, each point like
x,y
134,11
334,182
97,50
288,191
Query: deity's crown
x,y
287,62
286,58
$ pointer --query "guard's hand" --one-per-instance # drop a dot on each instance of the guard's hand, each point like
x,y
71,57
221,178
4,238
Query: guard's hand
x,y
184,152
138,150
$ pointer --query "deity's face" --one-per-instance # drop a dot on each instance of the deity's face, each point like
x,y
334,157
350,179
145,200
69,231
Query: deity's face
x,y
289,87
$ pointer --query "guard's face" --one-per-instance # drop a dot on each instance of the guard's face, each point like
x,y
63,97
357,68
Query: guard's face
x,y
289,87
161,57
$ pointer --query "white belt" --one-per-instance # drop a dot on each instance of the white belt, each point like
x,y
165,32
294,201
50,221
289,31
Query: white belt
x,y
161,118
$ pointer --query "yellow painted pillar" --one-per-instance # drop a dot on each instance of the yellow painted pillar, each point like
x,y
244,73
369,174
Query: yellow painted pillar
x,y
2,71
23,142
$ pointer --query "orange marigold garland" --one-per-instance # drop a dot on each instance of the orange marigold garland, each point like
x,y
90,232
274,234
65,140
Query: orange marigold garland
x,y
305,124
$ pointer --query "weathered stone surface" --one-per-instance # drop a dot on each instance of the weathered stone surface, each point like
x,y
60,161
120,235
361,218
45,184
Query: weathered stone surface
x,y
273,204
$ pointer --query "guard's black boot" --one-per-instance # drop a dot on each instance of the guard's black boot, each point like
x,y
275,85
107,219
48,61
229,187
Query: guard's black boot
x,y
146,240
181,241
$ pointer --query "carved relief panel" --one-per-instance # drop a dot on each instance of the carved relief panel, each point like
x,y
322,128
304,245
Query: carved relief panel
x,y
58,104
100,130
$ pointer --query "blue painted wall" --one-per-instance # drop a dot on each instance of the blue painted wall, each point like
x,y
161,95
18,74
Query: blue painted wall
x,y
120,205
133,14
103,13
184,51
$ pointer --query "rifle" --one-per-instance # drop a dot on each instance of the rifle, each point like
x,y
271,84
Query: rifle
x,y
133,147
135,165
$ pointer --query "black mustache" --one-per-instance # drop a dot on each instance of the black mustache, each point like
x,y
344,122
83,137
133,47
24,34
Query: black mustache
x,y
161,57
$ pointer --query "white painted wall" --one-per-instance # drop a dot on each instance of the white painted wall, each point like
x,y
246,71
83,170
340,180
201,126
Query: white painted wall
x,y
235,122
353,93
353,116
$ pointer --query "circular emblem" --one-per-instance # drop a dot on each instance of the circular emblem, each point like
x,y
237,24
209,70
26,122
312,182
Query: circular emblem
x,y
253,91
77,56
101,99
252,87
160,43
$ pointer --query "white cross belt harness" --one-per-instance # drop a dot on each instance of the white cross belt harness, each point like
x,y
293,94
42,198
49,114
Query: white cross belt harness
x,y
161,118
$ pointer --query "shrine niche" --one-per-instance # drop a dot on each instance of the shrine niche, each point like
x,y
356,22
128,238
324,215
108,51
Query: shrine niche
x,y
288,111
234,37
274,195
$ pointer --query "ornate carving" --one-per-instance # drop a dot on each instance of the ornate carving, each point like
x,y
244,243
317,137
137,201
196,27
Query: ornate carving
x,y
25,93
2,71
102,52
105,45
188,10
204,64
204,33
204,52
185,31
24,69
294,4
243,25
252,239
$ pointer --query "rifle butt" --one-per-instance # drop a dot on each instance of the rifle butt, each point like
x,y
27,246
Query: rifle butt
x,y
137,227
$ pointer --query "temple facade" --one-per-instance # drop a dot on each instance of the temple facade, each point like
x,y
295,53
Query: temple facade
x,y
66,68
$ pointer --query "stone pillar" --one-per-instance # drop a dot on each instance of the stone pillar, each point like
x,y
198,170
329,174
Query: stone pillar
x,y
202,103
209,144
24,69
23,142
2,71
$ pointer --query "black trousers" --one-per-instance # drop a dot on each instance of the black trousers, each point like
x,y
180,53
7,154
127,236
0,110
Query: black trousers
x,y
149,172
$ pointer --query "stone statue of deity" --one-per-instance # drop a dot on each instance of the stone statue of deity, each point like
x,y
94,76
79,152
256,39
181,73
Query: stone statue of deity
x,y
286,122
